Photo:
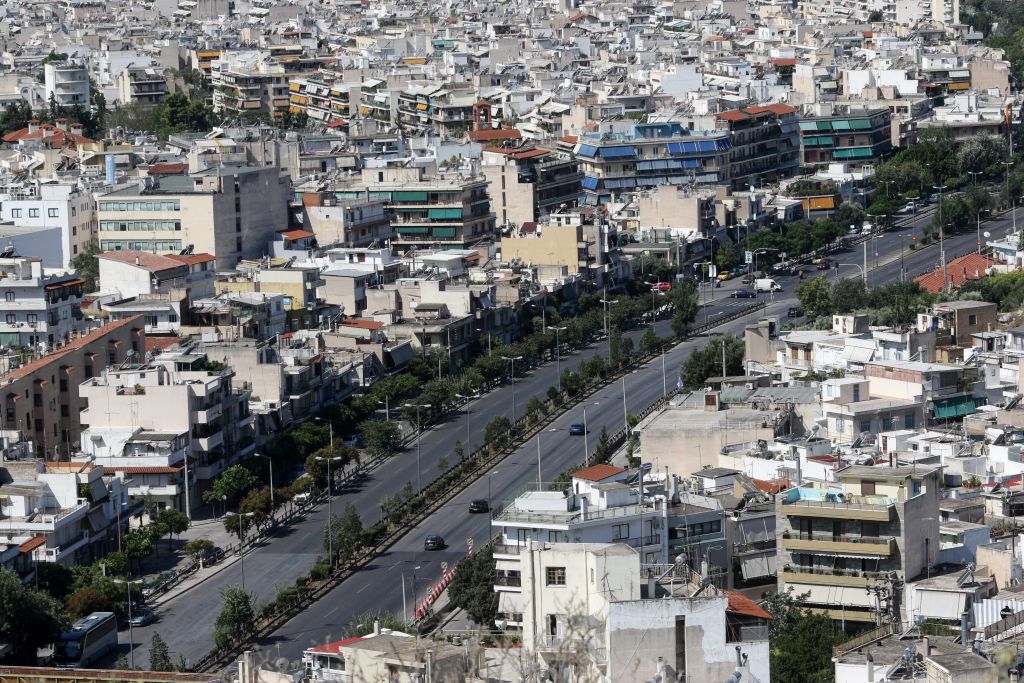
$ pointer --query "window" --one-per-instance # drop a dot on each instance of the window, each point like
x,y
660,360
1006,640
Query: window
x,y
33,213
865,425
8,295
11,318
53,213
972,320
888,423
15,213
554,576
840,425
620,531
908,421
33,318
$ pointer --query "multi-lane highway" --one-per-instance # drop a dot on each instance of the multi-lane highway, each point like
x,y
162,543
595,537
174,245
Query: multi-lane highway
x,y
186,622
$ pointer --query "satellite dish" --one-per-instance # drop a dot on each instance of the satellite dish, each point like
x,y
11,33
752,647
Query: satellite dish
x,y
987,234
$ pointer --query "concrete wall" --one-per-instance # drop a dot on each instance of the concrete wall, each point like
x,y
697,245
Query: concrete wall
x,y
556,246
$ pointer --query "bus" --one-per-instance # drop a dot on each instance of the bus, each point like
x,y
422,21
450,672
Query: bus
x,y
86,641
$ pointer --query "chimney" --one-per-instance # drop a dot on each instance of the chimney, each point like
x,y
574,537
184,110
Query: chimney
x,y
137,261
428,667
870,661
925,647
652,587
77,128
61,123
660,672
964,627
33,125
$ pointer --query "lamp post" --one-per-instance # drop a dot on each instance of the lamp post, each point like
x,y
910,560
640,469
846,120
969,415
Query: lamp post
x,y
330,482
241,539
270,462
419,438
488,339
512,360
387,409
490,517
974,176
330,509
467,399
607,334
558,357
131,631
586,442
942,240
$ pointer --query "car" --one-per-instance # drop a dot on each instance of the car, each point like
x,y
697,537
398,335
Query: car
x,y
794,312
143,616
823,264
577,429
661,287
434,542
724,276
743,294
211,555
479,505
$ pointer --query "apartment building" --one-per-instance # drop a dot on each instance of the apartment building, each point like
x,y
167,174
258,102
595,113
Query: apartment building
x,y
765,144
231,212
528,183
618,165
322,99
850,411
956,322
66,83
446,211
349,222
946,391
858,138
600,506
300,286
616,617
39,310
162,418
58,220
141,85
41,399
435,108
876,528
249,86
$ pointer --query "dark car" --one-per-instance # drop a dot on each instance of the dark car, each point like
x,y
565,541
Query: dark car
x,y
794,312
744,294
434,542
142,616
479,505
211,555
823,264
577,429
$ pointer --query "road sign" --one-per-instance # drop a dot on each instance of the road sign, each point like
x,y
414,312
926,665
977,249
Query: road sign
x,y
749,257
444,567
469,543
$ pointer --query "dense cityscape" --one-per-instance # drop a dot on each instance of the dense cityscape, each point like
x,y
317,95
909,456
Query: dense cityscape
x,y
508,342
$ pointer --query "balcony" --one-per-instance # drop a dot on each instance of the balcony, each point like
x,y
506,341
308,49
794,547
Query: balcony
x,y
572,644
46,523
754,547
866,508
507,552
210,414
512,515
63,551
819,576
208,443
508,581
842,543
639,541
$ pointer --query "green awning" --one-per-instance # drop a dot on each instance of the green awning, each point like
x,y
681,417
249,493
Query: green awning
x,y
819,141
852,153
956,406
444,214
824,125
386,196
841,124
350,195
411,230
407,196
861,124
808,126
442,232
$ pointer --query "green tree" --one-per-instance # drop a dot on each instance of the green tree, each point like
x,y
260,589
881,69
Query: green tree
x,y
234,482
498,430
847,295
707,361
236,617
197,546
85,601
472,588
684,298
175,522
87,265
29,619
649,342
981,154
159,655
54,580
603,449
138,545
344,534
815,297
363,624
801,641
382,438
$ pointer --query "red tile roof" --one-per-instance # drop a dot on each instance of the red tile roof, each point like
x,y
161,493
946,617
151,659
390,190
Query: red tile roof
x,y
772,485
494,134
154,263
31,544
362,323
50,134
518,154
143,469
296,234
192,259
733,115
959,271
332,648
784,61
598,472
29,368
741,604
168,169
161,343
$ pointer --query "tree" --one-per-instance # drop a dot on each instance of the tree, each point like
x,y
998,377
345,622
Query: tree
x,y
54,579
29,619
344,534
534,408
86,601
815,297
174,522
363,624
472,588
684,298
498,430
603,449
159,655
138,545
197,546
649,342
981,154
801,641
459,451
234,482
615,348
847,295
236,617
707,361
87,265
382,438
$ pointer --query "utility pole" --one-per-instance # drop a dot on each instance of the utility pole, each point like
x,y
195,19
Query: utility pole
x,y
942,241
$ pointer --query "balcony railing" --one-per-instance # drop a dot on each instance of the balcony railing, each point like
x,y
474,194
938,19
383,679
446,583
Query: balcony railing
x,y
512,581
829,571
839,538
842,543
567,644
504,549
512,515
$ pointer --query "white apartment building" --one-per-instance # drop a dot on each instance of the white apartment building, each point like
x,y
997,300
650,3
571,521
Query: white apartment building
x,y
600,507
51,210
67,83
153,422
37,307
593,611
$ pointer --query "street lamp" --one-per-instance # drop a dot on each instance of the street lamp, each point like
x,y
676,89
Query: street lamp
x,y
419,438
942,240
974,176
607,335
241,538
467,399
586,444
330,482
270,462
131,631
513,359
387,409
488,338
558,357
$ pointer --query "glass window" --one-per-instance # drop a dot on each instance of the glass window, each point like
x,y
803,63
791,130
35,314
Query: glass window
x,y
53,213
11,318
15,213
554,576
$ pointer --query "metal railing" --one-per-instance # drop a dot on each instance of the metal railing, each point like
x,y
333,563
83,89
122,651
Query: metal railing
x,y
839,538
803,502
828,571
511,581
573,516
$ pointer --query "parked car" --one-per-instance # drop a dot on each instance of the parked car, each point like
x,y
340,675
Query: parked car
x,y
662,287
823,264
722,277
479,505
434,542
211,555
794,312
743,294
577,429
143,616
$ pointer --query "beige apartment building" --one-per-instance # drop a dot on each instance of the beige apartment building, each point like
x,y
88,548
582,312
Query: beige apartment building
x,y
231,212
550,245
860,539
41,398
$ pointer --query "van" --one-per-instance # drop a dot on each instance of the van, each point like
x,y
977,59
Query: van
x,y
766,284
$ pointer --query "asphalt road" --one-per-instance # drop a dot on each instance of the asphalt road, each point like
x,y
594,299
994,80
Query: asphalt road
x,y
186,622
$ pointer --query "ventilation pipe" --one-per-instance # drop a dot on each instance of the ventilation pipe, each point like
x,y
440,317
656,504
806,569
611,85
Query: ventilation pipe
x,y
110,169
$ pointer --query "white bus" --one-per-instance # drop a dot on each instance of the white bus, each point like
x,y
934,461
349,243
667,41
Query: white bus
x,y
86,641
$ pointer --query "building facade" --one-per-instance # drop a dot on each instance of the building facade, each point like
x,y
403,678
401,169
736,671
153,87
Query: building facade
x,y
857,138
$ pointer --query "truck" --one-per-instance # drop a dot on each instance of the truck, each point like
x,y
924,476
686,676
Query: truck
x,y
766,284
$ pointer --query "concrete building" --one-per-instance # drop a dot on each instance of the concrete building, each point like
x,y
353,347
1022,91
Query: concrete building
x,y
527,183
955,322
858,137
39,310
878,526
323,99
56,207
616,618
41,396
351,223
549,245
141,85
765,144
230,212
66,83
